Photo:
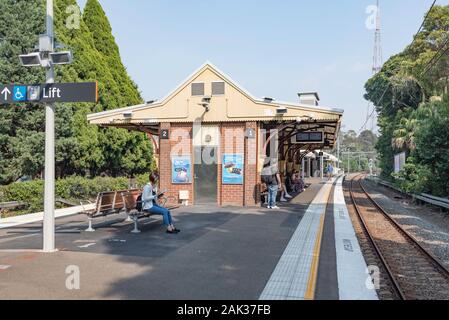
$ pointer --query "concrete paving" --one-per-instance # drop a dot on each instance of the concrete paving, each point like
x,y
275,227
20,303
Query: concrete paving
x,y
295,275
221,253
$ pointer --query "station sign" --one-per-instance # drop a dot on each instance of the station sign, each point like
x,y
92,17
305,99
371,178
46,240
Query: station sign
x,y
309,137
49,93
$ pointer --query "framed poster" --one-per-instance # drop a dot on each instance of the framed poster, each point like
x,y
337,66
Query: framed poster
x,y
233,167
182,170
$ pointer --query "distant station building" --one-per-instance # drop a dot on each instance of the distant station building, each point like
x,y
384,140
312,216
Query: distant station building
x,y
211,137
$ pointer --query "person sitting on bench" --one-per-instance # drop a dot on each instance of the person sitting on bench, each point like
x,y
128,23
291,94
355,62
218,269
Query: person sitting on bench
x,y
149,199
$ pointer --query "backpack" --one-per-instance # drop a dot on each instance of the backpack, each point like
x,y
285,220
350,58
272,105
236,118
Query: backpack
x,y
139,203
267,179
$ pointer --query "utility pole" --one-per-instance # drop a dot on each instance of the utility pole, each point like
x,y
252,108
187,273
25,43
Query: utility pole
x,y
49,197
349,165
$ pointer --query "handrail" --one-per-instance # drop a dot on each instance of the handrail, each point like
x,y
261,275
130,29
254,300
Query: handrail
x,y
433,200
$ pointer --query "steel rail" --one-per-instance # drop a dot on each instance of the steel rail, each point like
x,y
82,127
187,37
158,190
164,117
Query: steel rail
x,y
426,252
390,273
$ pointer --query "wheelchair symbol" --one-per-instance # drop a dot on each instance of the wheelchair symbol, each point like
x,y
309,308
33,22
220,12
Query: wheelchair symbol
x,y
20,93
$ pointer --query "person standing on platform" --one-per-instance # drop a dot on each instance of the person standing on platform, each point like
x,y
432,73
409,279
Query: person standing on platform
x,y
272,178
330,171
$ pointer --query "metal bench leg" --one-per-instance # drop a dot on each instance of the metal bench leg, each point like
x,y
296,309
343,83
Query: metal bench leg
x,y
90,229
136,226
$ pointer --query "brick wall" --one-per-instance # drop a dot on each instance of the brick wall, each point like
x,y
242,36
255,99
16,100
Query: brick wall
x,y
179,144
233,141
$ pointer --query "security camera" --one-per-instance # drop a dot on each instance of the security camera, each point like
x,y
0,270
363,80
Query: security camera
x,y
205,105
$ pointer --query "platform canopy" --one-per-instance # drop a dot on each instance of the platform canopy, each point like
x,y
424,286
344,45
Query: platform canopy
x,y
210,96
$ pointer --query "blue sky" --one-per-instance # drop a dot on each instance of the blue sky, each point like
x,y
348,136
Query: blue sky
x,y
272,48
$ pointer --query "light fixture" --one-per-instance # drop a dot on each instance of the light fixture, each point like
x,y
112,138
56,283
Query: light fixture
x,y
59,58
31,59
128,114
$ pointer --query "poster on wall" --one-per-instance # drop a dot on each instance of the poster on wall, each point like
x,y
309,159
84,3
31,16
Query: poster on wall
x,y
182,169
233,167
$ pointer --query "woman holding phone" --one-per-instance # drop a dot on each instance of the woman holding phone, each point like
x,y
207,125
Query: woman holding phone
x,y
149,199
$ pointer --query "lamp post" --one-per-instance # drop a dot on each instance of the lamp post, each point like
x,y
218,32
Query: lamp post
x,y
47,58
49,200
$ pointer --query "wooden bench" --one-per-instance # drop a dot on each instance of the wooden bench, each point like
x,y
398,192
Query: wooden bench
x,y
107,203
130,200
11,205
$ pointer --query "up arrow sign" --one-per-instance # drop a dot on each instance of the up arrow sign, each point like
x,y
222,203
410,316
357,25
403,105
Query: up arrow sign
x,y
5,93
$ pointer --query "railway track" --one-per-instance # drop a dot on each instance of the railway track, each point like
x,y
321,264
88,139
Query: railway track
x,y
415,273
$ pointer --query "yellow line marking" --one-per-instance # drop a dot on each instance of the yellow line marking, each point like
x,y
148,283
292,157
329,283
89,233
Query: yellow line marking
x,y
313,276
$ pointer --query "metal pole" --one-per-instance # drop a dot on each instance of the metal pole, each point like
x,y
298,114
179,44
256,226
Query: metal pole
x,y
349,165
49,198
338,153
303,169
322,167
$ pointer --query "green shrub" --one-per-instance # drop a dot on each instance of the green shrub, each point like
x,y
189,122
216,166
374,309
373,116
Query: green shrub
x,y
73,189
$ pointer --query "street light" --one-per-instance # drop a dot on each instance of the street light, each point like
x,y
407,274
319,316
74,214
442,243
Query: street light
x,y
31,60
60,58
47,58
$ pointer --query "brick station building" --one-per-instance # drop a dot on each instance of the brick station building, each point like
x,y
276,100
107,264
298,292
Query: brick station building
x,y
211,137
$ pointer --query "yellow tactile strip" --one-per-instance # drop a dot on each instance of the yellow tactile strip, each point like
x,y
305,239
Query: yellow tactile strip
x,y
294,277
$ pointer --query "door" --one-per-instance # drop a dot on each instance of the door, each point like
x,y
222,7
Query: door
x,y
206,173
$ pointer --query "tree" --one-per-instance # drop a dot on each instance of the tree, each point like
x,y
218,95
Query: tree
x,y
136,154
404,84
21,125
80,148
362,145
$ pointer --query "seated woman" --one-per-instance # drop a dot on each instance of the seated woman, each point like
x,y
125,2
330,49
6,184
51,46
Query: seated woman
x,y
300,185
149,199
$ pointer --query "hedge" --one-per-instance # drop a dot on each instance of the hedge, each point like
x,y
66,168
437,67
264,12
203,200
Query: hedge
x,y
73,189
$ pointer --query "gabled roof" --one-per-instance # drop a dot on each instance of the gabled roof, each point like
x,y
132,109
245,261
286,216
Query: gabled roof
x,y
229,80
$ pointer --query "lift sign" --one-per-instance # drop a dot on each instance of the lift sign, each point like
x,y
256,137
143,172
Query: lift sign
x,y
49,93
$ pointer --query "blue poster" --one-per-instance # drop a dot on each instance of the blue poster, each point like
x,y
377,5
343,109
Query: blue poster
x,y
233,168
182,169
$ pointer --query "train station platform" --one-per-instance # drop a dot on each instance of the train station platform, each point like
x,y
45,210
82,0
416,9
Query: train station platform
x,y
222,253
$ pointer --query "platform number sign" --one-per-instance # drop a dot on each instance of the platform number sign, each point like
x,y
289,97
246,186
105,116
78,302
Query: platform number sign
x,y
251,133
165,134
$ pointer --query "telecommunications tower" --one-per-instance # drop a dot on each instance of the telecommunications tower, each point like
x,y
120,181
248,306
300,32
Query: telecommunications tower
x,y
377,65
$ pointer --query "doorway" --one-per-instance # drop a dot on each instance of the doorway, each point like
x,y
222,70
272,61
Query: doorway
x,y
206,173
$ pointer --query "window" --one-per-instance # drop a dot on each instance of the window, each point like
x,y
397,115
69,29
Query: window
x,y
197,89
218,88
